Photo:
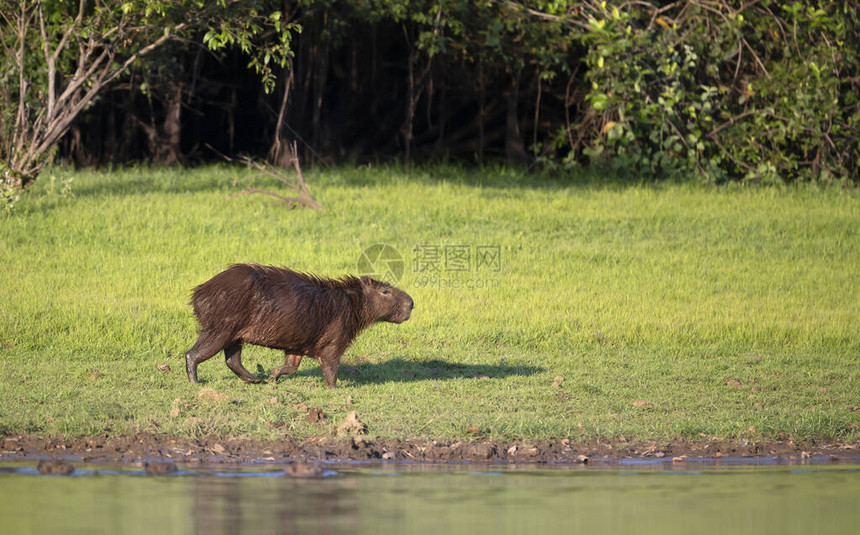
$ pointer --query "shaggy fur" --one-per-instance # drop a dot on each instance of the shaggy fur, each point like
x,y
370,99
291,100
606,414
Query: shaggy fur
x,y
298,313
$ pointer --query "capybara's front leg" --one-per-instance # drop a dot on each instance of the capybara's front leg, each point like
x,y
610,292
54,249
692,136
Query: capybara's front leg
x,y
233,354
291,366
329,362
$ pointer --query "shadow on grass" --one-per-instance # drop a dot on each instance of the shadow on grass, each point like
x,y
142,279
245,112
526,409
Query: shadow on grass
x,y
488,177
401,371
141,181
220,178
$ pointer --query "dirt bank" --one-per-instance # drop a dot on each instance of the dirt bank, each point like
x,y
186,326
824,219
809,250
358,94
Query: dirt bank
x,y
146,446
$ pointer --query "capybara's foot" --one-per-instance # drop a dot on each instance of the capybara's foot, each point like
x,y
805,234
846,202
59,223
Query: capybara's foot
x,y
251,379
191,370
286,369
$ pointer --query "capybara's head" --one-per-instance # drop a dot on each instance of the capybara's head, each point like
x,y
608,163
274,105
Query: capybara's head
x,y
384,302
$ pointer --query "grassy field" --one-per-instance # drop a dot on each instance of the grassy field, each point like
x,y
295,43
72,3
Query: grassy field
x,y
653,312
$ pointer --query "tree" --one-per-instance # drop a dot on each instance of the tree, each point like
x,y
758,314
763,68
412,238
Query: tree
x,y
58,56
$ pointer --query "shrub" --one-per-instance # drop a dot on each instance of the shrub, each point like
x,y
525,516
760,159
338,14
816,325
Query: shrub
x,y
765,92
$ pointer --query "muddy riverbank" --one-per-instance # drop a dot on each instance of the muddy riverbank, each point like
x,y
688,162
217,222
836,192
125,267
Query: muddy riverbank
x,y
146,446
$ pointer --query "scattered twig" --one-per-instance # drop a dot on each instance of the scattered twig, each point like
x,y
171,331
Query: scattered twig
x,y
298,185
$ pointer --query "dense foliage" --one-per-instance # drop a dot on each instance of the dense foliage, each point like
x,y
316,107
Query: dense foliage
x,y
765,92
716,89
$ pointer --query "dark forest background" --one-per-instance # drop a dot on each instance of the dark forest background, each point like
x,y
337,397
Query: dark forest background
x,y
356,91
721,90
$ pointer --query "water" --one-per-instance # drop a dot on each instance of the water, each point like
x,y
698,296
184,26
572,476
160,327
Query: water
x,y
440,499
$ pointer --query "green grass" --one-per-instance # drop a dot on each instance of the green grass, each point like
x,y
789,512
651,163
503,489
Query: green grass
x,y
727,311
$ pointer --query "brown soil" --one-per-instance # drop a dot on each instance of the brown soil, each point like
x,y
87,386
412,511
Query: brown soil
x,y
145,446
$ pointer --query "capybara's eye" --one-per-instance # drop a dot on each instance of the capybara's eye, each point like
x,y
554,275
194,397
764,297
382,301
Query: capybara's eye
x,y
385,292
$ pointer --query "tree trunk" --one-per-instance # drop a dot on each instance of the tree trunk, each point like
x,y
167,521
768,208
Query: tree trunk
x,y
481,113
515,151
279,153
410,107
167,149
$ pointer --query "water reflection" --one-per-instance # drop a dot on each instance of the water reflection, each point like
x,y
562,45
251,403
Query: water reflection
x,y
436,499
228,506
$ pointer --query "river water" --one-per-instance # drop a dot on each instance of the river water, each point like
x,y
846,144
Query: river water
x,y
618,498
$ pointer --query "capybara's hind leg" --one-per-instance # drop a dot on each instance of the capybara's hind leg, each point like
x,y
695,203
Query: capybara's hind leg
x,y
233,354
291,366
204,349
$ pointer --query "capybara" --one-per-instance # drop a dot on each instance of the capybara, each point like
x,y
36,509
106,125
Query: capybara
x,y
298,313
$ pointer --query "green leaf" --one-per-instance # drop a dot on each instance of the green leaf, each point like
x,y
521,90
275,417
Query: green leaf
x,y
599,101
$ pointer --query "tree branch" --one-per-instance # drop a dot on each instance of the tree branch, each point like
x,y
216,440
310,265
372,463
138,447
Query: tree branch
x,y
146,50
50,58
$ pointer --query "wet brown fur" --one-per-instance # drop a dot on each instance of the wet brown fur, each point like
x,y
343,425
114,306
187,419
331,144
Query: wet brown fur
x,y
301,314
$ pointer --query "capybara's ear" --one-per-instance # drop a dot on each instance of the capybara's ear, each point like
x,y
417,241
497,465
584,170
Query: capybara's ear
x,y
366,281
357,286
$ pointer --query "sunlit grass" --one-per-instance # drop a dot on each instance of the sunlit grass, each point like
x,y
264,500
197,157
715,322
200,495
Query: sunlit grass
x,y
722,312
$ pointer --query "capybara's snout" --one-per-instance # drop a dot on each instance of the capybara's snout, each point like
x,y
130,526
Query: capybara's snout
x,y
403,310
